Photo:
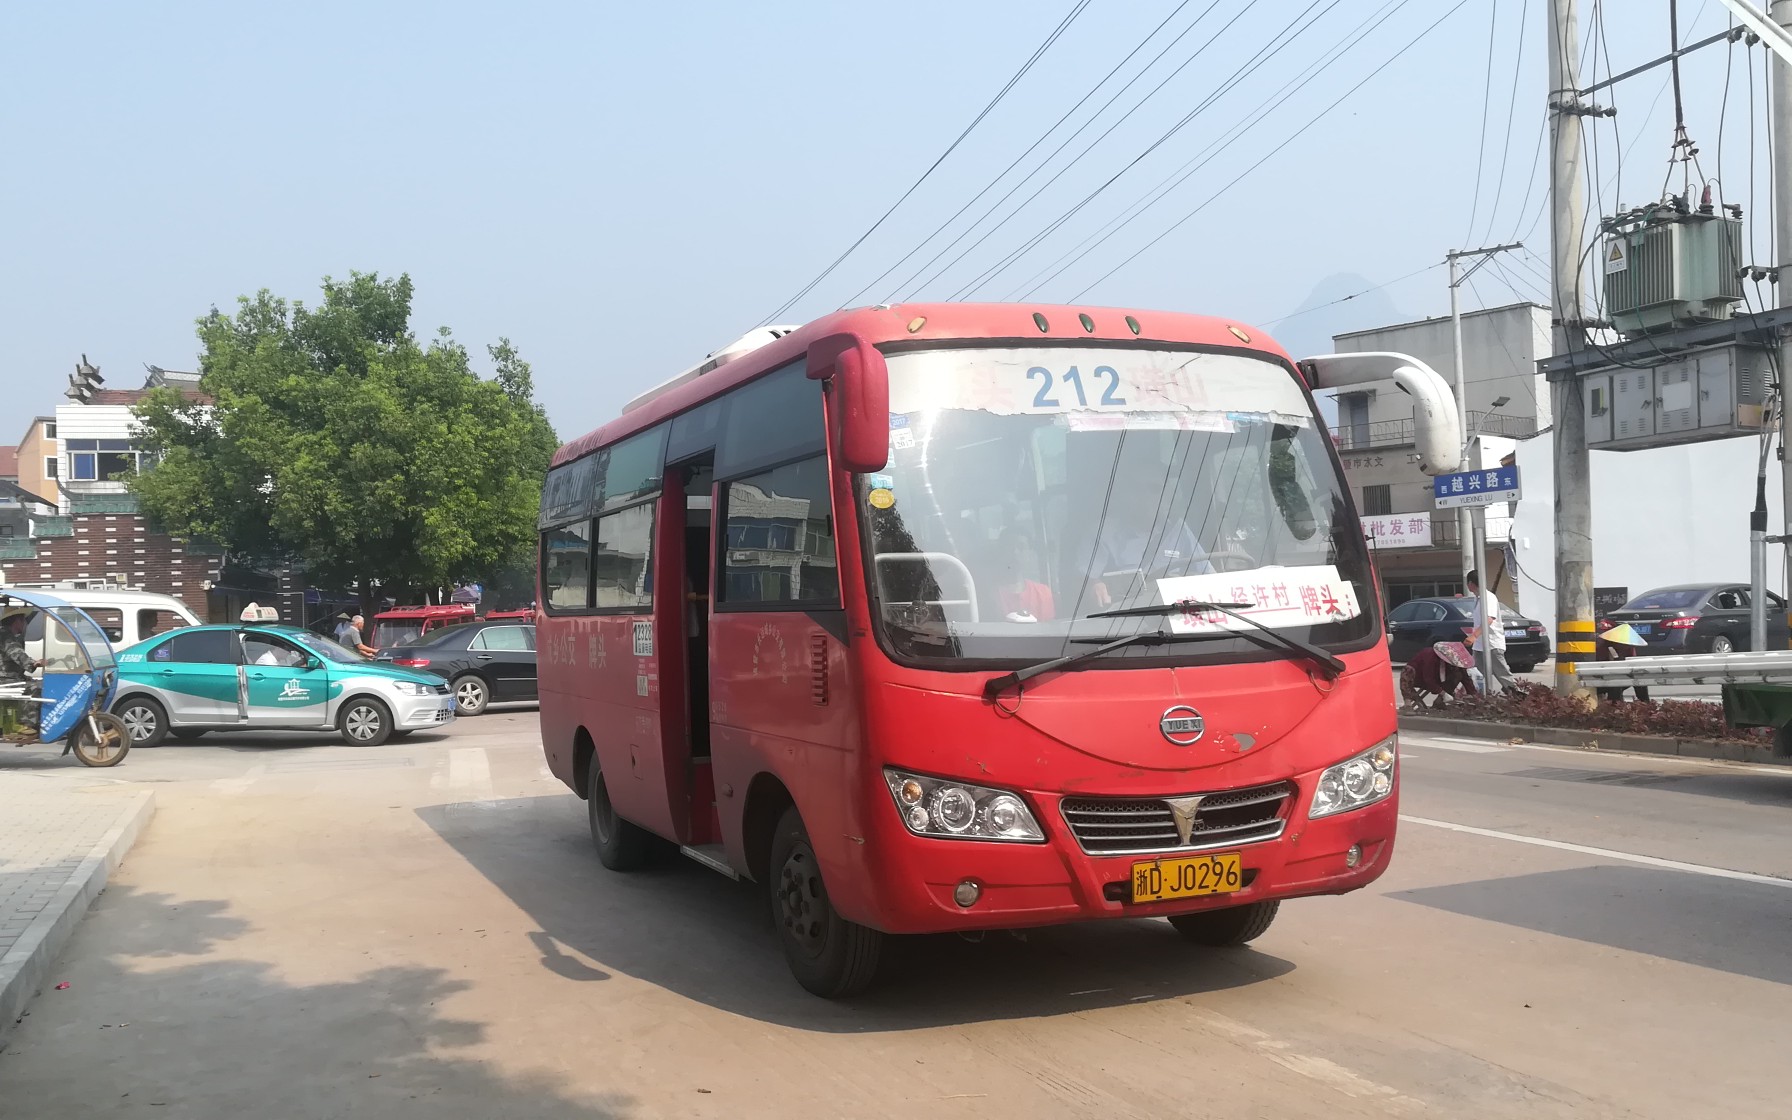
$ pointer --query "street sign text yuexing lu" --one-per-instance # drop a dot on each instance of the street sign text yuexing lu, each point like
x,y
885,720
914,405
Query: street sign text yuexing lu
x,y
1476,488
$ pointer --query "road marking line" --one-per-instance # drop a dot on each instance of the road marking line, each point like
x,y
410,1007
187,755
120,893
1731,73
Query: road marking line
x,y
470,769
241,783
1466,746
1337,1077
1606,853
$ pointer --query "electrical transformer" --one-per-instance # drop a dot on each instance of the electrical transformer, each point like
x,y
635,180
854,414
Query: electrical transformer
x,y
1666,267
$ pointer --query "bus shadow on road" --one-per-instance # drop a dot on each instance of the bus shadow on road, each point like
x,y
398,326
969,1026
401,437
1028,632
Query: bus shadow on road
x,y
710,939
1674,915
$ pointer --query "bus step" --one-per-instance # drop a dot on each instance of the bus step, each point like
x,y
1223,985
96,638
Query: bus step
x,y
710,856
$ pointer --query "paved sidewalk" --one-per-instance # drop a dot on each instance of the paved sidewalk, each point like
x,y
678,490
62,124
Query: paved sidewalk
x,y
60,837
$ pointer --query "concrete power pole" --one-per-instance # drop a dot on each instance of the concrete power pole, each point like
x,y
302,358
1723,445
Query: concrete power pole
x,y
1780,87
1567,221
1474,553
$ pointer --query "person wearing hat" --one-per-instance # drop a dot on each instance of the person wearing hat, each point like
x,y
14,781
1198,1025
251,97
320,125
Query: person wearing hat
x,y
1438,672
1617,644
15,663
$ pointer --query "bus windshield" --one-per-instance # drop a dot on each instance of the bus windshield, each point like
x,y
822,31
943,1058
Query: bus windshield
x,y
1029,489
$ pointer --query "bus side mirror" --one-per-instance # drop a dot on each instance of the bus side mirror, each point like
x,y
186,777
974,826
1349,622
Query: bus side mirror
x,y
858,400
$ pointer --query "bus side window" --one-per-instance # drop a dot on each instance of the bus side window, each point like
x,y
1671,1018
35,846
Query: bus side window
x,y
780,538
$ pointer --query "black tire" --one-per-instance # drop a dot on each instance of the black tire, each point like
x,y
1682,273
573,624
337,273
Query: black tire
x,y
365,722
621,846
109,749
1234,925
1722,644
471,694
144,718
1523,666
830,956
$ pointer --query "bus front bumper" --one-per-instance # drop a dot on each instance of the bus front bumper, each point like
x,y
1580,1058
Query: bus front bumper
x,y
913,883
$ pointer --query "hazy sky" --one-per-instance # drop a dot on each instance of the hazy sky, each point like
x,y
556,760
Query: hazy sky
x,y
622,188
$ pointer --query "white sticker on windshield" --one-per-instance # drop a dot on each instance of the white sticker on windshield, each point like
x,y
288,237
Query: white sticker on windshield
x,y
1278,597
644,639
1058,381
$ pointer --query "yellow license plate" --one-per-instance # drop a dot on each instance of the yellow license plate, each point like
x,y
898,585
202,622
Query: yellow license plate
x,y
1186,877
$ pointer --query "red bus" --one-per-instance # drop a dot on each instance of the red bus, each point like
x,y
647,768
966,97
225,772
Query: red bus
x,y
960,617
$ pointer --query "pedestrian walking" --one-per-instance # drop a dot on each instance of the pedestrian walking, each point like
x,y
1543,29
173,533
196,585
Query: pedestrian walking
x,y
1490,635
1436,674
1617,644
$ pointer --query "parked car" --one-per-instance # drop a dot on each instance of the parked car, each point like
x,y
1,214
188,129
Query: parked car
x,y
269,678
1698,618
482,662
1417,623
402,625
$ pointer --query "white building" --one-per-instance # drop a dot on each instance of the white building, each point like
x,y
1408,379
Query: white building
x,y
1374,435
1660,517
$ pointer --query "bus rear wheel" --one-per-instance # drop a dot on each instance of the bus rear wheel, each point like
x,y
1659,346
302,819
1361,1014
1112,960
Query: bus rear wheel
x,y
621,846
1234,925
830,956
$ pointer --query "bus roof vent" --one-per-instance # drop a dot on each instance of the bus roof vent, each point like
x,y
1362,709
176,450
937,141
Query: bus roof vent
x,y
745,344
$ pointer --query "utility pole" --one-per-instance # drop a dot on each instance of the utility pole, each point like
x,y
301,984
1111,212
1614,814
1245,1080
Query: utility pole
x,y
1780,131
1567,222
1474,554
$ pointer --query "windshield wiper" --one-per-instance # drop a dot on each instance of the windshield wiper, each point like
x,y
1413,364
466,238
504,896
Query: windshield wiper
x,y
1332,665
994,686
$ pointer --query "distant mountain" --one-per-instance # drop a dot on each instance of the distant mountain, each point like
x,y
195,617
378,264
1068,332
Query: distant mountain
x,y
1326,311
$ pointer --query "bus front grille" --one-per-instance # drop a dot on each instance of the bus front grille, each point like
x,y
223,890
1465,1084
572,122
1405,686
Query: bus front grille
x,y
1120,826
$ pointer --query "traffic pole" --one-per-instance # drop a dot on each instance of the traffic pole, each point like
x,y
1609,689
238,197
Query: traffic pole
x,y
1567,232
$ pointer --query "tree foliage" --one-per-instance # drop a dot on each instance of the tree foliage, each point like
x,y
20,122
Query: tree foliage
x,y
331,437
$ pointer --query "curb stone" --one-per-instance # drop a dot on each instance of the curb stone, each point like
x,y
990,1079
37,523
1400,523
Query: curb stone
x,y
23,969
1712,749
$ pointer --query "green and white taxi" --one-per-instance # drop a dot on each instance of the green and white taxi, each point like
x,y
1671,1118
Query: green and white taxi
x,y
269,678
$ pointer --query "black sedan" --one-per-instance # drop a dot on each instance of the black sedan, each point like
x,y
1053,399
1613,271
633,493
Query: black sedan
x,y
1417,623
1698,618
484,662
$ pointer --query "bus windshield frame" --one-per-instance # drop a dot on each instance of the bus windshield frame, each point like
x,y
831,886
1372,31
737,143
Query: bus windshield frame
x,y
1026,459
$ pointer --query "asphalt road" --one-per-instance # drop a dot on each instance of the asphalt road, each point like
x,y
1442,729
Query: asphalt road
x,y
310,930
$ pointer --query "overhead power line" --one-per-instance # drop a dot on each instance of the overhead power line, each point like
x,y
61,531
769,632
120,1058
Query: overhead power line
x,y
1247,122
1031,148
1499,187
1058,31
1211,39
1493,27
1288,34
1354,295
1317,117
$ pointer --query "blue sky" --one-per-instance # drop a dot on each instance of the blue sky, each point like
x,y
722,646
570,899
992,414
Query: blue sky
x,y
620,189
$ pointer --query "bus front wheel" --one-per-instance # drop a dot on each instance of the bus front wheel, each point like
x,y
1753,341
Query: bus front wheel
x,y
830,956
1234,925
621,846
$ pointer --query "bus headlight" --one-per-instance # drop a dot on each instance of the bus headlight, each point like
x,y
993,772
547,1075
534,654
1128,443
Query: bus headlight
x,y
1355,782
960,810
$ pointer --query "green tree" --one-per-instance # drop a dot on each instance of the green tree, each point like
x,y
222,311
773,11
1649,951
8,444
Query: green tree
x,y
331,437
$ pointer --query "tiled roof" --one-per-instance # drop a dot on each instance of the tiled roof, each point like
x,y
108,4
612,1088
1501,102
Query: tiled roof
x,y
132,396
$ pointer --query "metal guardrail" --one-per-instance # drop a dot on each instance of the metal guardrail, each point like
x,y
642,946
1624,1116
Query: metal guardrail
x,y
1767,667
